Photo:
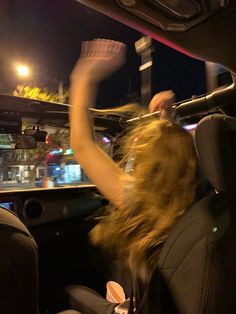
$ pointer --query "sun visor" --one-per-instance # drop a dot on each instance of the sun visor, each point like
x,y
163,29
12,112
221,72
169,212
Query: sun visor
x,y
172,15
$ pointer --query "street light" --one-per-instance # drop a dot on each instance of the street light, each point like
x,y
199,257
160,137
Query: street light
x,y
22,70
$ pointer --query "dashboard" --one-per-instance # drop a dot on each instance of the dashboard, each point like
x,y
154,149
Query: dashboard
x,y
41,206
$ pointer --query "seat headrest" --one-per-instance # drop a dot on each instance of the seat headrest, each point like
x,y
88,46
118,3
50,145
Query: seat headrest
x,y
215,138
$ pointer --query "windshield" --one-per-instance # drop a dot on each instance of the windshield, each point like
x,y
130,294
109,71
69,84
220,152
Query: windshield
x,y
41,43
51,164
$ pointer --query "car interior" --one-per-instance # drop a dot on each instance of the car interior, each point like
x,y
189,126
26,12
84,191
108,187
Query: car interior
x,y
49,206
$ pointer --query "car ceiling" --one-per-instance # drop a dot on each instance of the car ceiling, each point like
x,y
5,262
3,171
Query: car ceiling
x,y
211,40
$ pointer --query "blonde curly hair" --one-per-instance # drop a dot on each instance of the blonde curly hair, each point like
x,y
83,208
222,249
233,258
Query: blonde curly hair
x,y
162,188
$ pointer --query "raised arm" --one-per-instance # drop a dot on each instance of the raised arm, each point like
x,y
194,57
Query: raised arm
x,y
99,59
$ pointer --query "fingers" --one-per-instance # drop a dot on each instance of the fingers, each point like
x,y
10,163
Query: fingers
x,y
84,49
107,46
162,101
99,58
102,48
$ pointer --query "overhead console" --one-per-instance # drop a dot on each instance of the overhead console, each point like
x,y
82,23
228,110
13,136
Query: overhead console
x,y
173,15
200,28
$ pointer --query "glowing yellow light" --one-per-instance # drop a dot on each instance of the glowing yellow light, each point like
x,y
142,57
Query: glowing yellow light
x,y
22,70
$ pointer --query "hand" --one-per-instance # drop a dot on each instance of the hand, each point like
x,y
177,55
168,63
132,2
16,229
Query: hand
x,y
99,59
163,101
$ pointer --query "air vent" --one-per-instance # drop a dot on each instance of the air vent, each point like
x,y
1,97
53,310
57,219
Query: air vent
x,y
33,209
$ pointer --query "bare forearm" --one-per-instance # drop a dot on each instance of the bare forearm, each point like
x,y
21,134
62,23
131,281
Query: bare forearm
x,y
93,160
98,60
82,96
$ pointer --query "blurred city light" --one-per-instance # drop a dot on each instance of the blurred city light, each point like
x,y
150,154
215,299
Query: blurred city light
x,y
22,70
190,127
68,152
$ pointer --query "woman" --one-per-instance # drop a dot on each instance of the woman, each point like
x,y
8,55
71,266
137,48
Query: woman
x,y
146,202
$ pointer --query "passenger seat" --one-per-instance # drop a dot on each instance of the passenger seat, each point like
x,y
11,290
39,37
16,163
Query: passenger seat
x,y
18,267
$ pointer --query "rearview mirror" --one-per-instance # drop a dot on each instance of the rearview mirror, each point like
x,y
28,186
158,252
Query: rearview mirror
x,y
39,135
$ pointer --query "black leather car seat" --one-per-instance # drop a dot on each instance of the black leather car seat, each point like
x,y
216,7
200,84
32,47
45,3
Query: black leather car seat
x,y
18,267
198,260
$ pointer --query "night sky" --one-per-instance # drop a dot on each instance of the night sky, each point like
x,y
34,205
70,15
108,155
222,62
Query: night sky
x,y
46,35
